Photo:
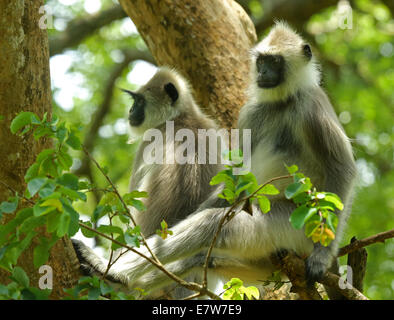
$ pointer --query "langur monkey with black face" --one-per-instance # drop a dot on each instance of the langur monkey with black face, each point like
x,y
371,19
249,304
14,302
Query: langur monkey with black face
x,y
176,187
292,122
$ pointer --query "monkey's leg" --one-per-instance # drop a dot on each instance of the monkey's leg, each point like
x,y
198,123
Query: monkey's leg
x,y
245,237
218,266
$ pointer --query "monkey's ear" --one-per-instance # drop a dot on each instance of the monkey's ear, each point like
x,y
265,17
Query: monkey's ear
x,y
306,49
171,91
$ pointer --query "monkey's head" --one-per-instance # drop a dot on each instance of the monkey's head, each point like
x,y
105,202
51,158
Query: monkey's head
x,y
164,97
282,63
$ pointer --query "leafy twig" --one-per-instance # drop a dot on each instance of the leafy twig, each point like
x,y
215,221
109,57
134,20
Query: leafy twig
x,y
115,190
227,214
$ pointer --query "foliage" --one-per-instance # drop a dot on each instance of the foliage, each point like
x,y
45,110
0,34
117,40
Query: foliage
x,y
234,290
49,200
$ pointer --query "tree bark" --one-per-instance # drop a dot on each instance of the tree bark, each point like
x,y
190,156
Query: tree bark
x,y
25,86
207,41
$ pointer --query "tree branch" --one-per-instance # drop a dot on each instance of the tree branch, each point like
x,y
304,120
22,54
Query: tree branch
x,y
80,28
294,268
333,281
295,12
380,237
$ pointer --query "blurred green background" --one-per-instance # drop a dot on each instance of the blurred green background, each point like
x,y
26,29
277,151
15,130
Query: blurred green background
x,y
358,74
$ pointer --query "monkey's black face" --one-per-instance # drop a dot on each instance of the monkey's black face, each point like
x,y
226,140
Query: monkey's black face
x,y
137,111
270,69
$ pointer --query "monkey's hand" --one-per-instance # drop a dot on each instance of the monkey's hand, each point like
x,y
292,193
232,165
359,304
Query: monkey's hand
x,y
93,265
317,263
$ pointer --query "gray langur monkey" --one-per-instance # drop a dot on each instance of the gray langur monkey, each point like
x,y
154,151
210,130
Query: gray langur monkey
x,y
174,189
292,122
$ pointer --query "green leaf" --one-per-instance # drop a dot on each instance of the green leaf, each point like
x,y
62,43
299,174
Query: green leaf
x,y
65,160
138,204
39,211
10,227
100,211
264,203
73,141
251,292
42,131
20,276
297,188
53,220
13,254
32,172
292,169
334,199
242,186
22,120
94,294
31,223
268,189
301,215
53,203
35,185
41,252
224,176
332,221
9,207
64,223
135,194
109,229
68,180
45,154
61,132
311,225
74,217
87,233
131,239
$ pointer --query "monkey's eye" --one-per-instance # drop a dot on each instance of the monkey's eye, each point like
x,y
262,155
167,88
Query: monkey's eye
x,y
306,49
171,91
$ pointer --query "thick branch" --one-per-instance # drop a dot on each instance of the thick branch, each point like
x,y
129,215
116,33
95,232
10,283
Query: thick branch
x,y
80,28
295,12
380,237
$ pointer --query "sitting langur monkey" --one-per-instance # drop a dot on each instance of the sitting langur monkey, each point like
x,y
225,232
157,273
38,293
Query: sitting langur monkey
x,y
292,122
176,183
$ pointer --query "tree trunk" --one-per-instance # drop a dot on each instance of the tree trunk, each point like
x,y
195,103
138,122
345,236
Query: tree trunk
x,y
25,86
207,41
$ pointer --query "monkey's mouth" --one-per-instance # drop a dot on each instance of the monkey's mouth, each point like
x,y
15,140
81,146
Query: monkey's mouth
x,y
266,84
